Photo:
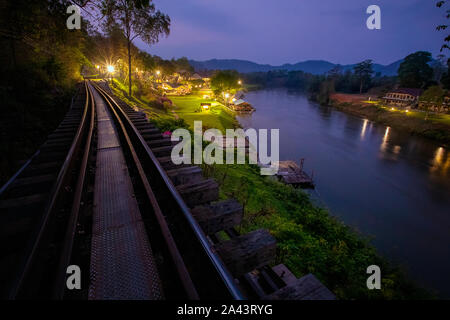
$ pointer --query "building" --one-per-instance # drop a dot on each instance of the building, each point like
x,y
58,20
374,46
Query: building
x,y
403,97
433,106
196,76
175,88
242,106
206,93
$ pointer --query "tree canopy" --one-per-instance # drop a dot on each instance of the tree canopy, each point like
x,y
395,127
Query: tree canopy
x,y
137,19
433,94
225,80
414,71
363,71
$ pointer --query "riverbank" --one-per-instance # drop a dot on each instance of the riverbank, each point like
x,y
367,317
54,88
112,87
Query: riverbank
x,y
433,126
309,239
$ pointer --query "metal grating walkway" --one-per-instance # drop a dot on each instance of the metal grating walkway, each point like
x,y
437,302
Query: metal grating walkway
x,y
122,264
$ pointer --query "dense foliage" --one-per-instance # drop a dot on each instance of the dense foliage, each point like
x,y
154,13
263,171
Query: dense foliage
x,y
224,81
434,95
415,72
136,19
40,63
363,71
319,87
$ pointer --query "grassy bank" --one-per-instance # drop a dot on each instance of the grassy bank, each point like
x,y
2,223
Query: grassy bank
x,y
309,239
433,126
188,108
184,111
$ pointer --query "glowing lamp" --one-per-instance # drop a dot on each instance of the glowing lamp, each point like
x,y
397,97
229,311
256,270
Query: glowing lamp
x,y
205,106
110,69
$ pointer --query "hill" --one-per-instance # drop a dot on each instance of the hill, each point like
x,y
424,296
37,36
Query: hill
x,y
310,66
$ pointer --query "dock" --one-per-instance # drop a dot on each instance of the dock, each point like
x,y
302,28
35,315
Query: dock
x,y
289,172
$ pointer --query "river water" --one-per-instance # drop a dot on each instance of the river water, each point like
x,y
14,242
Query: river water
x,y
387,184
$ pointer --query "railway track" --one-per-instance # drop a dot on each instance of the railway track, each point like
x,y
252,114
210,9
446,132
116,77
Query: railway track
x,y
102,193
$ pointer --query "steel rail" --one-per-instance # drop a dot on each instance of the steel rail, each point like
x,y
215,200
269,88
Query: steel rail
x,y
57,189
59,287
185,278
226,277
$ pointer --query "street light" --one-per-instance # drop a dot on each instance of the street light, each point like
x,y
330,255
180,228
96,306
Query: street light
x,y
97,66
110,69
239,82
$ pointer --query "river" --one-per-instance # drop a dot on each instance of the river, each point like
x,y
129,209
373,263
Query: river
x,y
387,184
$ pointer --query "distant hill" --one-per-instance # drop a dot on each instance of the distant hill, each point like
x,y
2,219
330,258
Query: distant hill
x,y
310,66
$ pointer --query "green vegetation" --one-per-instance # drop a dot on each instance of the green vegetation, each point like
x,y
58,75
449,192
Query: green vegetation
x,y
430,125
188,108
41,63
309,240
363,71
44,59
433,94
162,117
414,71
428,118
136,19
225,81
182,113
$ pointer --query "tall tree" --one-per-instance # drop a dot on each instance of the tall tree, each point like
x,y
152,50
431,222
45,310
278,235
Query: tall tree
x,y
137,19
226,80
363,71
414,71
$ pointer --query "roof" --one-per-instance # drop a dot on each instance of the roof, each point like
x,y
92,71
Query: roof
x,y
196,76
238,102
411,91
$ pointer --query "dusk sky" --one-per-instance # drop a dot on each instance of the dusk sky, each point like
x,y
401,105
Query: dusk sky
x,y
289,31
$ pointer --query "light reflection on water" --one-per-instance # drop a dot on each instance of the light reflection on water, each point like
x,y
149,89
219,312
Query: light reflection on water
x,y
364,127
385,183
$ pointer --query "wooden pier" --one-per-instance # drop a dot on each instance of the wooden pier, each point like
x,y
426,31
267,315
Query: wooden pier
x,y
291,173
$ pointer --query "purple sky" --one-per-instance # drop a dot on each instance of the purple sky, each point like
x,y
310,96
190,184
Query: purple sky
x,y
289,31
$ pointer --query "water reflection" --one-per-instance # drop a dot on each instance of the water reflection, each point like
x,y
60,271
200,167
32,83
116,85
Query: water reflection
x,y
440,163
386,183
385,140
363,130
